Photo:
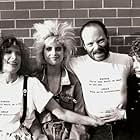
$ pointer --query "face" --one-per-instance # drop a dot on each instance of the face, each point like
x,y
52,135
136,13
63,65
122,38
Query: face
x,y
12,60
136,65
53,52
95,42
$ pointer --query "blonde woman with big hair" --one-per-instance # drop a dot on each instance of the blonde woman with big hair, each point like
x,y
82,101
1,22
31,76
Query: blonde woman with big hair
x,y
54,44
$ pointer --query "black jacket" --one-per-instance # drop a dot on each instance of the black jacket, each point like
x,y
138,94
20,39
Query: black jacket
x,y
133,102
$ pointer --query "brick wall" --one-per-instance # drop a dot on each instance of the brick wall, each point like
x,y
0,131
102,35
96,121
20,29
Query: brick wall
x,y
122,18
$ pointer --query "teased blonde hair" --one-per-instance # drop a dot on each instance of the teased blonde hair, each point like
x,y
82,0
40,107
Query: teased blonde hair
x,y
64,34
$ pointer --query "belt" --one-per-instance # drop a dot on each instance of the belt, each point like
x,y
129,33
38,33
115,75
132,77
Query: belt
x,y
117,123
121,124
107,131
101,132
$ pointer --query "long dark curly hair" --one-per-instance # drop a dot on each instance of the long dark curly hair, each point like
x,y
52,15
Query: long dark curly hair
x,y
135,48
7,42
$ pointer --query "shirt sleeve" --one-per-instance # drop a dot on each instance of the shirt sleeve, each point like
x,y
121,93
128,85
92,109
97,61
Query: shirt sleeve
x,y
130,65
40,95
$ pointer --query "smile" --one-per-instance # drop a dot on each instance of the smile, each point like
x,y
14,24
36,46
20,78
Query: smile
x,y
99,54
13,64
54,57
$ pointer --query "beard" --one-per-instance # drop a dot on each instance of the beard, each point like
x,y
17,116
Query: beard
x,y
101,50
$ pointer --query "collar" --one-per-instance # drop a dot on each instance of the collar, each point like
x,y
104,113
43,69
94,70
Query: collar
x,y
65,77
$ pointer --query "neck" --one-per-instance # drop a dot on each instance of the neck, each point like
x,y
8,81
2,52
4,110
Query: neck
x,y
53,70
10,78
54,78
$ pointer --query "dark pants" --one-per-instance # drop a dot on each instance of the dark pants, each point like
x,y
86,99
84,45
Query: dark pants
x,y
113,131
135,132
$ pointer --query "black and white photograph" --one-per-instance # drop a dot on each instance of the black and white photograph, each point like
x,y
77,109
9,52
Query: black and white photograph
x,y
69,69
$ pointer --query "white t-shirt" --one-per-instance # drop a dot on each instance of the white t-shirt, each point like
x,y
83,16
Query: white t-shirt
x,y
11,102
104,82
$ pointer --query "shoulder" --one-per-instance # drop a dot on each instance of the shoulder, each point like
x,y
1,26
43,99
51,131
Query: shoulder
x,y
123,59
33,81
78,59
73,78
75,62
119,56
36,86
122,55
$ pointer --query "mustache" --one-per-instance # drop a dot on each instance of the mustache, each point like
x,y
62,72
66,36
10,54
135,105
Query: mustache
x,y
99,50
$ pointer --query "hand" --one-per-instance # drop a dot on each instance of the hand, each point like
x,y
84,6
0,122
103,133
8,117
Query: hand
x,y
20,134
38,135
113,115
97,121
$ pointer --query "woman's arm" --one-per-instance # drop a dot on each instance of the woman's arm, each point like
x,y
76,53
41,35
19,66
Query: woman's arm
x,y
69,116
